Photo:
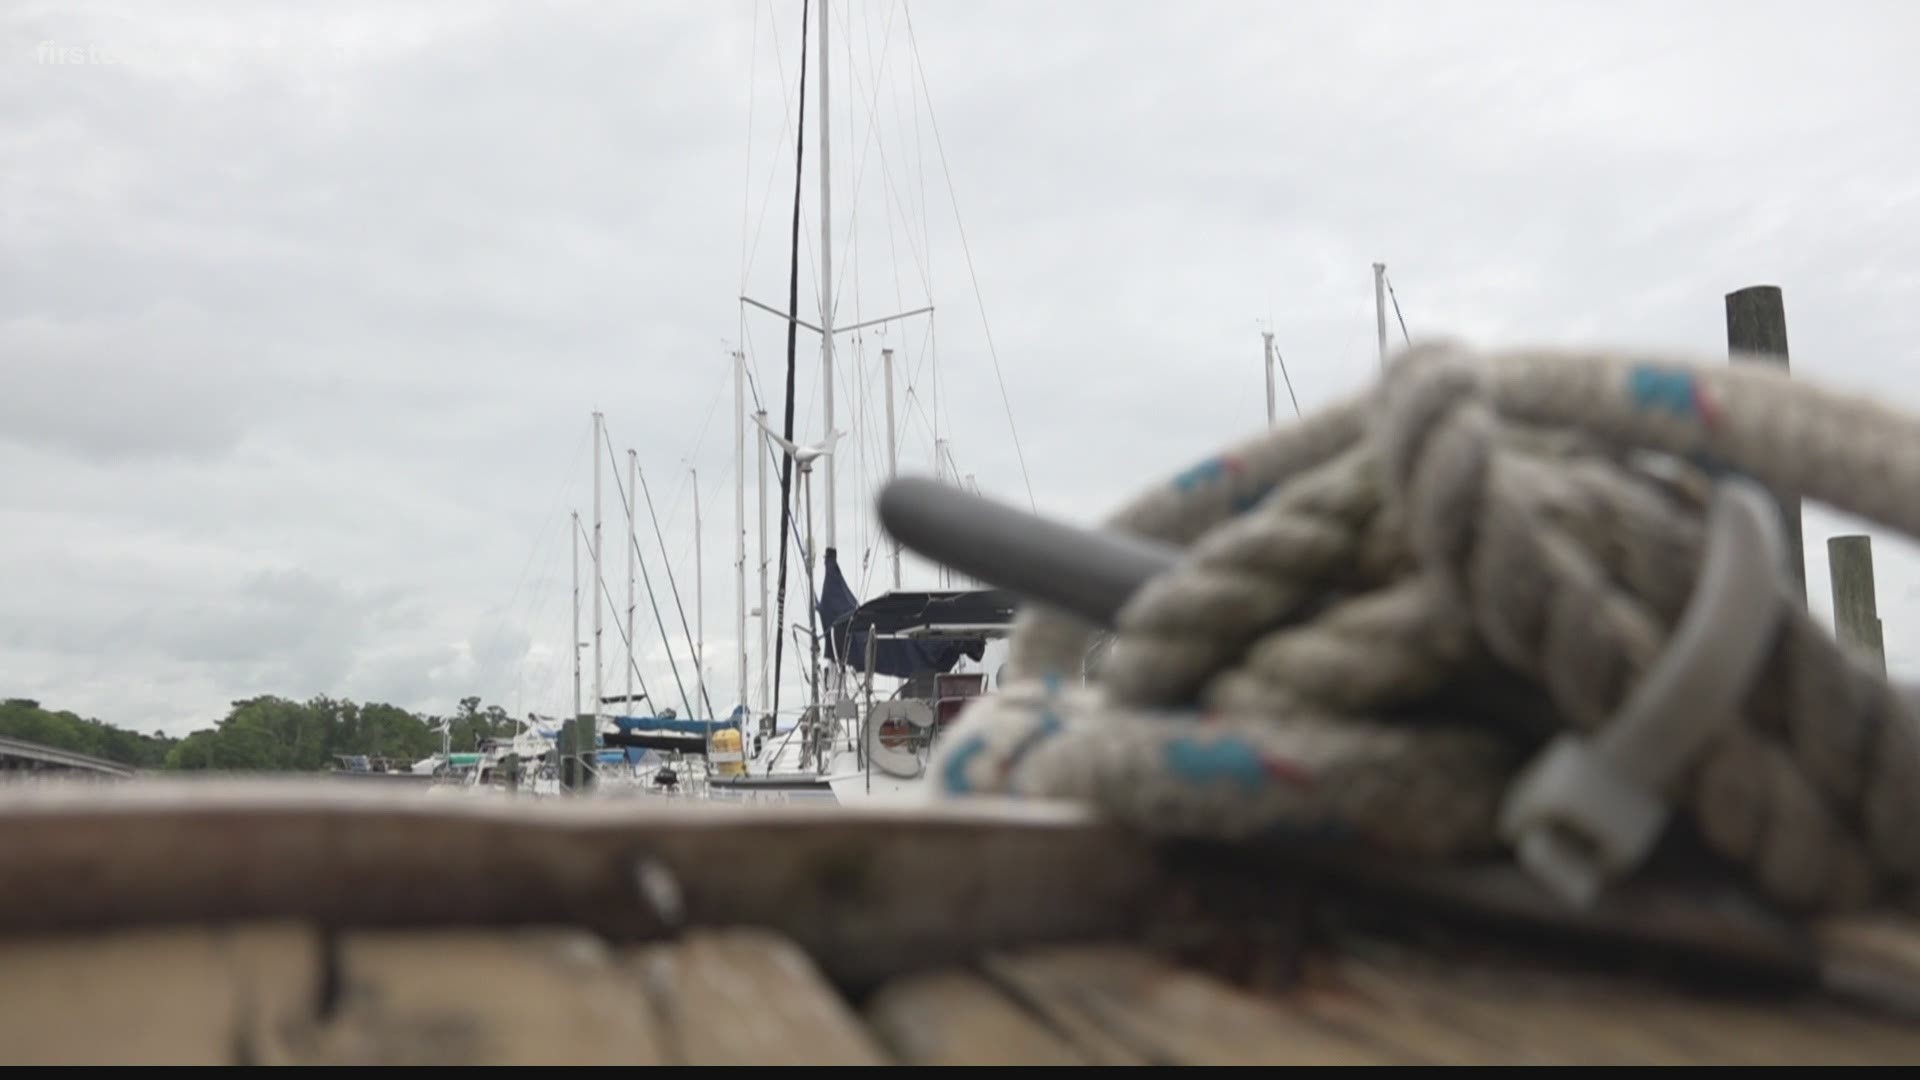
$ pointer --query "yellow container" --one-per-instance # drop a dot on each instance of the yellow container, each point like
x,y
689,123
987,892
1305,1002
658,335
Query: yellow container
x,y
724,754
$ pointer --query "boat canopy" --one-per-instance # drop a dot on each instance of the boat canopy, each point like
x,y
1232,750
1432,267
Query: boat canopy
x,y
913,632
677,724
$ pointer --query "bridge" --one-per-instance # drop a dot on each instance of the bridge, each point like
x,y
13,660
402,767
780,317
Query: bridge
x,y
18,756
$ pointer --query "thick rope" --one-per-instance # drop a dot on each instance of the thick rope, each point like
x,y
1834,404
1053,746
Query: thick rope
x,y
1358,592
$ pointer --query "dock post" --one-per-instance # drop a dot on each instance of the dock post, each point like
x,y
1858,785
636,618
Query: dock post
x,y
1856,616
586,740
568,759
1757,332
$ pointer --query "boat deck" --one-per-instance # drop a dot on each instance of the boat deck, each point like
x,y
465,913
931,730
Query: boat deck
x,y
286,994
297,926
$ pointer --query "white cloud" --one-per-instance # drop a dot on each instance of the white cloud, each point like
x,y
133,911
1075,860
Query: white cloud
x,y
302,314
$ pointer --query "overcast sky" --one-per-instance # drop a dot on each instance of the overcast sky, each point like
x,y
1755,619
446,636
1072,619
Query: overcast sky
x,y
304,308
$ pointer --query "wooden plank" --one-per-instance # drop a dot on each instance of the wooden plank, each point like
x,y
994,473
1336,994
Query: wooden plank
x,y
871,891
178,996
280,972
1545,1016
748,997
1404,1029
1506,1028
958,1018
1122,1005
1082,1023
1708,920
475,998
1873,959
1884,1040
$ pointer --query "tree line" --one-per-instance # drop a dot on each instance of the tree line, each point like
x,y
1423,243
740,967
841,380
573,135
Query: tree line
x,y
265,734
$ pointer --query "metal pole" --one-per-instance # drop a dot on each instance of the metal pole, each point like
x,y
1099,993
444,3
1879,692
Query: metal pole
x,y
699,607
940,473
893,449
599,688
1266,342
574,646
826,264
633,470
740,526
813,638
766,612
1757,333
562,749
866,717
1380,309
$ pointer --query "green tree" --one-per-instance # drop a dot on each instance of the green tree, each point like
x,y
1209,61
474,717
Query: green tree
x,y
194,752
25,718
265,734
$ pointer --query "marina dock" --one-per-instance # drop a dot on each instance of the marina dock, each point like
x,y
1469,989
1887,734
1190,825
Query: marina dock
x,y
288,923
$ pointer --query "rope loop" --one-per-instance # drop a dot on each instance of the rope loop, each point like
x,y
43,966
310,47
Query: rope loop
x,y
1384,613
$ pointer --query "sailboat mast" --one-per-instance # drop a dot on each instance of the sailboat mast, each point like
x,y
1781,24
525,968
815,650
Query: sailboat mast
x,y
740,521
599,688
1266,341
893,449
633,547
940,473
1380,309
766,613
699,607
826,269
574,645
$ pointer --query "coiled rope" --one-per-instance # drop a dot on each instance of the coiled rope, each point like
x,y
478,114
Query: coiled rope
x,y
1383,612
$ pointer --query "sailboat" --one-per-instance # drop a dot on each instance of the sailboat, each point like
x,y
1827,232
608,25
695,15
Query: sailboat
x,y
852,740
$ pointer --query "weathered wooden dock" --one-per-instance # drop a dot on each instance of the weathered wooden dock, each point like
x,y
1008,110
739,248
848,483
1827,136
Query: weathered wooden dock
x,y
228,924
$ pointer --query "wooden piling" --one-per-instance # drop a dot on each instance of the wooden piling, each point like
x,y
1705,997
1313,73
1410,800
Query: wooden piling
x,y
1757,332
1856,617
586,743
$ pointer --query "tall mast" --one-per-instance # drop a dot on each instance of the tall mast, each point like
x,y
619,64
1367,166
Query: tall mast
x,y
826,268
740,521
1266,341
893,450
574,645
766,613
940,473
633,470
699,608
598,687
813,636
1380,308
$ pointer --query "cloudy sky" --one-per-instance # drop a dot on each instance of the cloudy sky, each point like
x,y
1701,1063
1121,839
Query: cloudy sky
x,y
305,308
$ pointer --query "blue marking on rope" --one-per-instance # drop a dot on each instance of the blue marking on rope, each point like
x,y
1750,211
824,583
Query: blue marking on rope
x,y
1048,727
1664,388
1204,473
957,762
1217,759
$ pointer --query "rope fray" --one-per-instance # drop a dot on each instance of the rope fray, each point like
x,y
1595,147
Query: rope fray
x,y
1457,616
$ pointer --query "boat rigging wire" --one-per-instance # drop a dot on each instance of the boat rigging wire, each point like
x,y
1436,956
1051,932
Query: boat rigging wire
x,y
647,578
979,301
